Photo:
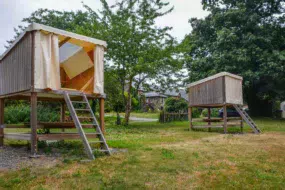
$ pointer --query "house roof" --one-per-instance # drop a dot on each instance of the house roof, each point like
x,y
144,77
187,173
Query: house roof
x,y
214,77
184,95
168,93
154,94
74,38
171,93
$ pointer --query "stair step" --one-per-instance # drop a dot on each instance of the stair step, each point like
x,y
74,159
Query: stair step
x,y
95,142
79,102
100,150
85,117
93,133
93,123
87,124
82,110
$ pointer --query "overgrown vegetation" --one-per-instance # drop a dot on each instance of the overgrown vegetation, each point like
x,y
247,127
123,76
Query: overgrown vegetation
x,y
19,112
245,38
176,105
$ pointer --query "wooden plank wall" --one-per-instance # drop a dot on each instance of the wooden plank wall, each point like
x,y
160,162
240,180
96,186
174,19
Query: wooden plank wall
x,y
15,67
207,93
233,90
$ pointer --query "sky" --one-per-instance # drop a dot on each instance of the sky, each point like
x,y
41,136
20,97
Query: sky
x,y
13,11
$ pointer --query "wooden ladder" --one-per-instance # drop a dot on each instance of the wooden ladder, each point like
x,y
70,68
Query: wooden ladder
x,y
247,119
76,119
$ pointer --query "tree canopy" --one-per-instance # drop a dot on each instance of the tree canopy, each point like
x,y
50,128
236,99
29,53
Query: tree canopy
x,y
245,38
137,48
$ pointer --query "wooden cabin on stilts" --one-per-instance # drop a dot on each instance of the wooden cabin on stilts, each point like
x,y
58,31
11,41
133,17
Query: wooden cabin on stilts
x,y
48,64
222,90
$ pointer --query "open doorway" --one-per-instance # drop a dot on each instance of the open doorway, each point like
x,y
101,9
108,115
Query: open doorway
x,y
76,68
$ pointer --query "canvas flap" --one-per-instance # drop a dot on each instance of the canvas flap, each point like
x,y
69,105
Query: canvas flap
x,y
99,70
47,71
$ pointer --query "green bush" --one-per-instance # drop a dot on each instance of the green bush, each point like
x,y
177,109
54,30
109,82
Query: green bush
x,y
175,105
19,112
196,113
214,112
14,114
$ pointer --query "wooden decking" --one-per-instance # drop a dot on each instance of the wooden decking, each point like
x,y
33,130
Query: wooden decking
x,y
50,95
46,125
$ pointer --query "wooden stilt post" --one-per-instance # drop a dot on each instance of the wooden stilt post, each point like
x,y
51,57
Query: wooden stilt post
x,y
1,121
62,113
241,124
225,118
209,118
102,114
190,118
33,123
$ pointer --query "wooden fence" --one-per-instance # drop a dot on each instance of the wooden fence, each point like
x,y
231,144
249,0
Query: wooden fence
x,y
165,117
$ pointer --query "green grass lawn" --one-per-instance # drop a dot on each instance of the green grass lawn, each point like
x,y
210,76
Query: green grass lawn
x,y
167,156
149,115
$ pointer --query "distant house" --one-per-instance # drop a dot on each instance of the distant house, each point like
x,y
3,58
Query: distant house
x,y
156,100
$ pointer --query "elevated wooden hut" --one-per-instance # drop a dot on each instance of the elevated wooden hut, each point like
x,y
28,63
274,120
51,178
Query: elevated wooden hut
x,y
220,90
49,64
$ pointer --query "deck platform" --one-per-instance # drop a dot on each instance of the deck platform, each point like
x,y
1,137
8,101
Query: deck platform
x,y
52,136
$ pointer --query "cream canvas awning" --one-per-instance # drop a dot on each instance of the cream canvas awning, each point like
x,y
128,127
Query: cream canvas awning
x,y
87,53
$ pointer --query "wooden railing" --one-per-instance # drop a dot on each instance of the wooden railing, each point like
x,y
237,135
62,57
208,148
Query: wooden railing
x,y
165,117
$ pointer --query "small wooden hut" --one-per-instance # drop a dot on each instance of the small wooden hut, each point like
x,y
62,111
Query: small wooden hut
x,y
49,64
220,90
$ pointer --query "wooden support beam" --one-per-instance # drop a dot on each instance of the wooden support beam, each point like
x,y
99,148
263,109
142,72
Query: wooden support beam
x,y
102,114
225,119
1,121
207,126
33,123
190,118
209,119
18,136
241,124
87,84
62,113
63,41
64,136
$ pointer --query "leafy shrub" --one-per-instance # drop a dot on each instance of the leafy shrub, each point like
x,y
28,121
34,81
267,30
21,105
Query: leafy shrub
x,y
175,105
14,114
214,112
196,113
19,112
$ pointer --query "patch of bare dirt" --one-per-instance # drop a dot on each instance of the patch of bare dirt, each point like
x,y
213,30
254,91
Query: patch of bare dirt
x,y
19,157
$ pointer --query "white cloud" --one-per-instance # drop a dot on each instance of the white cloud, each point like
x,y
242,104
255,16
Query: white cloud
x,y
13,11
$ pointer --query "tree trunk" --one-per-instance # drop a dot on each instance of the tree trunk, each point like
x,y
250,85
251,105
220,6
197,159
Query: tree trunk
x,y
129,102
118,122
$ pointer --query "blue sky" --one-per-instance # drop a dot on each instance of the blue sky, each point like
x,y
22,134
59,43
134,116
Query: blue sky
x,y
13,11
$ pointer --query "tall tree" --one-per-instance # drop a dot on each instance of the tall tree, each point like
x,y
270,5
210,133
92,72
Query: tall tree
x,y
65,20
112,89
242,37
136,46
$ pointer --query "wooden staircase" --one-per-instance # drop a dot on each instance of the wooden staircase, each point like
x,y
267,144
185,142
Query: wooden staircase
x,y
247,119
84,106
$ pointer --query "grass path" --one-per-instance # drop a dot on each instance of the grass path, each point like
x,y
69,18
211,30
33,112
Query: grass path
x,y
169,157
